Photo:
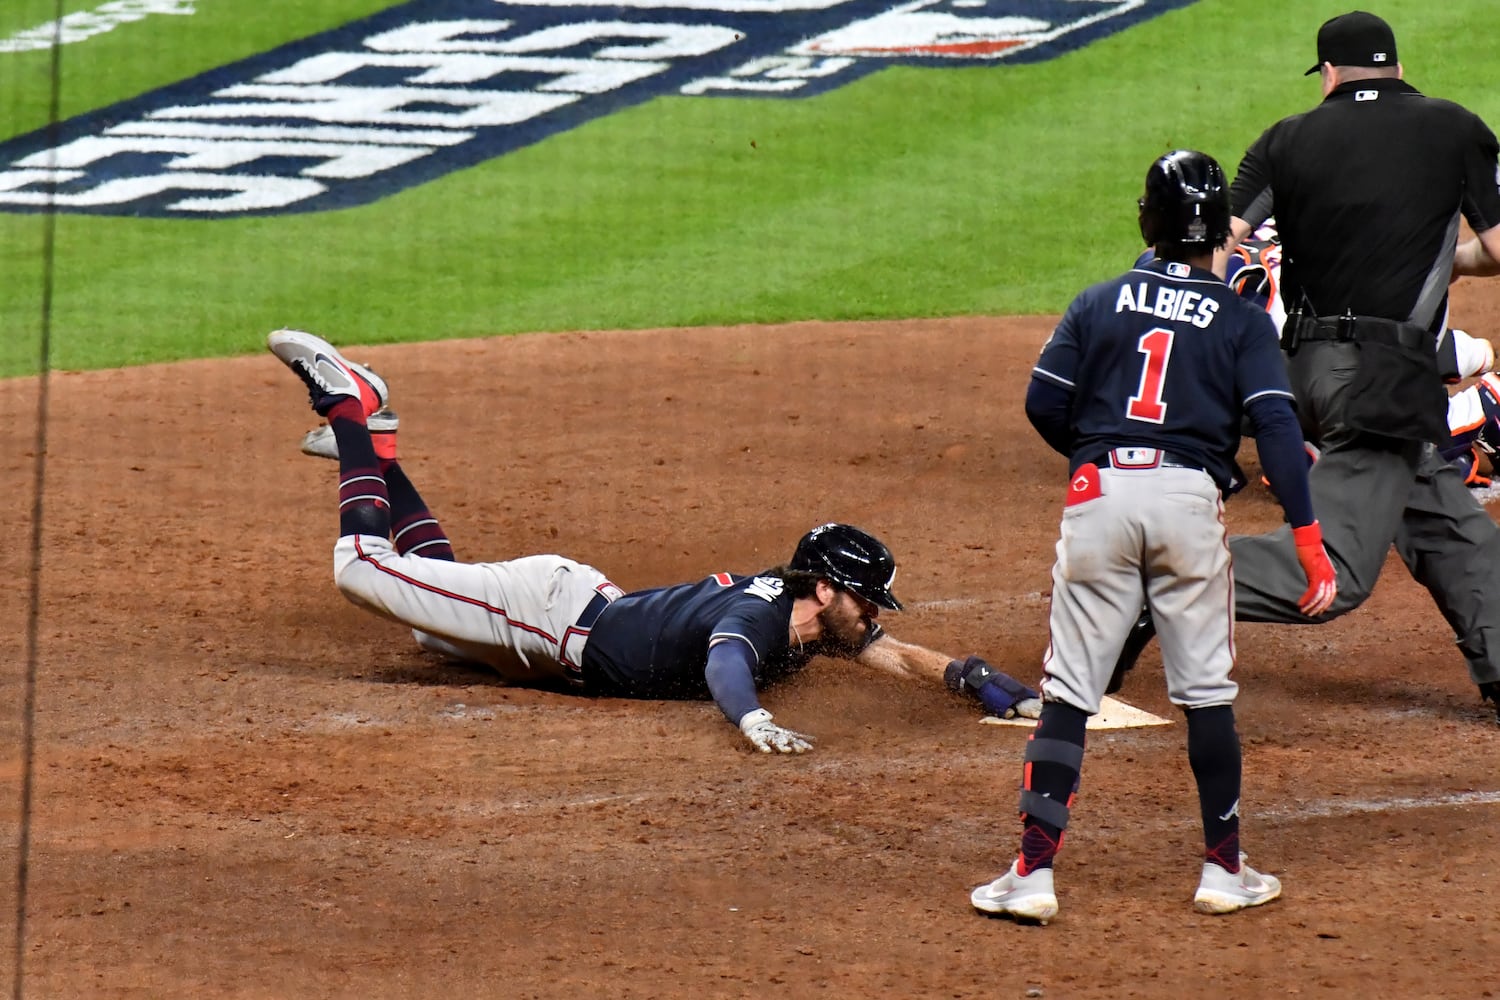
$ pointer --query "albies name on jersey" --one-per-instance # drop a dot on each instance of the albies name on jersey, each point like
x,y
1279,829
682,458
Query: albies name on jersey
x,y
1172,304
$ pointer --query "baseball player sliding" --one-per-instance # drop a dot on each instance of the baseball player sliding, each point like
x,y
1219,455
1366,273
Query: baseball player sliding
x,y
1144,386
544,618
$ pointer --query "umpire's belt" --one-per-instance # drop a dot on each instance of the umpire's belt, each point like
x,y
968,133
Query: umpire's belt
x,y
1357,328
1133,458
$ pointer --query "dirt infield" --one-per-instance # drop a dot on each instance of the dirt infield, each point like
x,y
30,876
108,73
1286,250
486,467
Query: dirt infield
x,y
245,787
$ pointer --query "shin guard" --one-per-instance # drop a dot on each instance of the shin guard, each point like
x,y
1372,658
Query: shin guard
x,y
1051,772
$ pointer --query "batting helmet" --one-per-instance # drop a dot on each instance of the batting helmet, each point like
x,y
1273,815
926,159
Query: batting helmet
x,y
1186,201
853,559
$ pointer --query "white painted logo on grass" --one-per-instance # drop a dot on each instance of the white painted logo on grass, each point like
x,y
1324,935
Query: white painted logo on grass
x,y
83,25
427,87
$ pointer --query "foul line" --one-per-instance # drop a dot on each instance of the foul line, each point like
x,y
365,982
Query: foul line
x,y
1340,807
962,603
1324,809
1316,809
39,479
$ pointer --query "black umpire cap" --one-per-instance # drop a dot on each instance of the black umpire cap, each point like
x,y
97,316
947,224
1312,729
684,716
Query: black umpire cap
x,y
1357,38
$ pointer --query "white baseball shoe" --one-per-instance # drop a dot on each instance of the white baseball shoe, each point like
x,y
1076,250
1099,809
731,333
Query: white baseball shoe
x,y
1024,897
1221,891
320,442
326,372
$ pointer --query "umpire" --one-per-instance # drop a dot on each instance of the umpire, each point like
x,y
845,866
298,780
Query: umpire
x,y
1368,189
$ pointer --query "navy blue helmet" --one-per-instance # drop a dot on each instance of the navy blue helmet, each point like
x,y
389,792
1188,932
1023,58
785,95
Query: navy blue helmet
x,y
852,559
1186,201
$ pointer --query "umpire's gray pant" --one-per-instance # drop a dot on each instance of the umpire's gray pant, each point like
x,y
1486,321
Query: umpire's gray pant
x,y
1369,493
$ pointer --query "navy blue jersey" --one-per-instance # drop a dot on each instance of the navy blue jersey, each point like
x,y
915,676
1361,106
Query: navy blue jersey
x,y
1164,356
654,643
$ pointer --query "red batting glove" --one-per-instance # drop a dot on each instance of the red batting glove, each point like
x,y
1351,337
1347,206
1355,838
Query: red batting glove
x,y
1321,585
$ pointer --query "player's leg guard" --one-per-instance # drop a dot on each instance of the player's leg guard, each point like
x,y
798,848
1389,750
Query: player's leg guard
x,y
1467,464
1049,782
1214,753
1488,390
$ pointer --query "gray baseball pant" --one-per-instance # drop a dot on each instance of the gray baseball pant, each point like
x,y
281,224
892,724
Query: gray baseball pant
x,y
1368,494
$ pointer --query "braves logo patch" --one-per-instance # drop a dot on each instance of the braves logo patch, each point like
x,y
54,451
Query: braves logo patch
x,y
428,87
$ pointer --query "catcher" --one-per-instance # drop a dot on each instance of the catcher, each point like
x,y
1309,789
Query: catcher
x,y
545,620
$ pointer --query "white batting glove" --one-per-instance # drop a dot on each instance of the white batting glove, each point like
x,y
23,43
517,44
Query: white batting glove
x,y
769,737
1027,708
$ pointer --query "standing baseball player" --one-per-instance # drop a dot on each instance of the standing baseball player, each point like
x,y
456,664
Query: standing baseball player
x,y
545,619
1144,385
1368,190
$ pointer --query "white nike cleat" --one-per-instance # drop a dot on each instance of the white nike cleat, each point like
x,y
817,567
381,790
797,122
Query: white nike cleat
x,y
1023,897
326,372
1221,891
320,442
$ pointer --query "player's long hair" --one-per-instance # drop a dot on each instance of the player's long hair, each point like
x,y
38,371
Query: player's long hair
x,y
799,583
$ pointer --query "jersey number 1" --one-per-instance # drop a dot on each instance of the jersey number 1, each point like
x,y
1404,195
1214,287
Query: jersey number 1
x,y
1147,403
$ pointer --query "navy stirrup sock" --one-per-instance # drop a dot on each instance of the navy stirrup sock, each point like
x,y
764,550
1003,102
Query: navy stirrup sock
x,y
364,502
416,530
1214,752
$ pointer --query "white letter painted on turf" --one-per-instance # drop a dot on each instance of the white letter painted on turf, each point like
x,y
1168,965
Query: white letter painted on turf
x,y
340,159
377,105
667,41
245,194
580,76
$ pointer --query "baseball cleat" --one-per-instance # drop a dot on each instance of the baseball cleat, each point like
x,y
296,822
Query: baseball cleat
x,y
1022,897
1491,693
320,442
1221,891
326,372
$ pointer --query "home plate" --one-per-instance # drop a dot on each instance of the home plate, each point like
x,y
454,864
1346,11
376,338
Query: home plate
x,y
1113,714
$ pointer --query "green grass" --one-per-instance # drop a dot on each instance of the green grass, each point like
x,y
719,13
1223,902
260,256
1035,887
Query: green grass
x,y
913,192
